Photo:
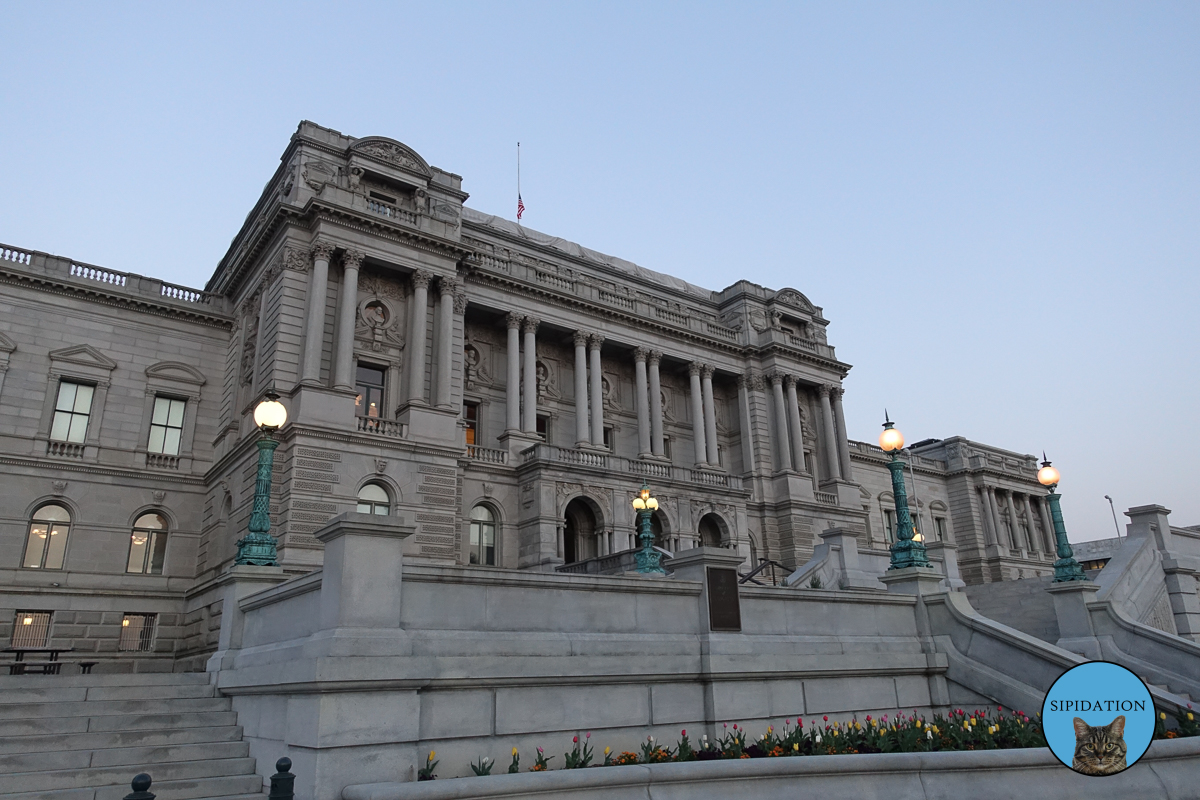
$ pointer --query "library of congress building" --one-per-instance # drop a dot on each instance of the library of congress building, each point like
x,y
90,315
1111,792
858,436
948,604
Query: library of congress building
x,y
505,391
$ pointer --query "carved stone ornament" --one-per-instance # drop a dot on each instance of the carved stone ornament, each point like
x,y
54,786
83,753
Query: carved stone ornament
x,y
448,286
581,338
322,250
655,357
294,259
608,391
475,366
393,153
640,354
59,488
352,259
317,173
159,496
421,279
488,489
694,368
460,302
791,297
370,283
758,321
513,319
381,465
530,324
356,174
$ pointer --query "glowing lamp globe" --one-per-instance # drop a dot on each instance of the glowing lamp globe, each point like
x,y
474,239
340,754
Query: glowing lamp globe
x,y
639,504
891,439
270,413
1047,475
652,504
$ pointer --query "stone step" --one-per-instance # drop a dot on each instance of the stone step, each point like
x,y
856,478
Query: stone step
x,y
97,708
119,777
132,738
76,694
241,787
114,722
108,679
140,757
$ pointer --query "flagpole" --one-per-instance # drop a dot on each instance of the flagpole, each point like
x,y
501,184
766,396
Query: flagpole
x,y
520,203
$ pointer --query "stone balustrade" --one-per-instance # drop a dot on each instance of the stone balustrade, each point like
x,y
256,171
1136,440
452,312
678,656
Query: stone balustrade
x,y
549,455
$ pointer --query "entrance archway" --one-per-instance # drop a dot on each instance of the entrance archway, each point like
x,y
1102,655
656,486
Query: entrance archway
x,y
579,532
711,530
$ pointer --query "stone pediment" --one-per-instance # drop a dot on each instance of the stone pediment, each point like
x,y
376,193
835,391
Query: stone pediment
x,y
84,355
7,345
176,371
794,299
392,152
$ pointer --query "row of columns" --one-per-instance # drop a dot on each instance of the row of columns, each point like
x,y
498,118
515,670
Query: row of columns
x,y
451,304
518,394
993,526
789,431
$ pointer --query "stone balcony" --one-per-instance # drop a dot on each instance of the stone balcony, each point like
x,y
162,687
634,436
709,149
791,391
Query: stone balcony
x,y
545,456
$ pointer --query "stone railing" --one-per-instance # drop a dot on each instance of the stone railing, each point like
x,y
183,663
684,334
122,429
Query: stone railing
x,y
382,427
611,464
671,316
64,450
108,281
620,300
162,461
828,498
487,455
557,281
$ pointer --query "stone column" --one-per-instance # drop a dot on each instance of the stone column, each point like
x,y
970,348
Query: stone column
x,y
746,422
314,322
781,429
697,413
797,432
1047,527
1034,544
416,336
994,510
582,434
343,374
640,389
594,342
985,516
710,416
656,411
529,327
513,387
1012,521
843,443
831,454
448,288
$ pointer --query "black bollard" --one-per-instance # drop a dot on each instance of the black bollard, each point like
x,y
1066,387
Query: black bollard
x,y
282,782
141,788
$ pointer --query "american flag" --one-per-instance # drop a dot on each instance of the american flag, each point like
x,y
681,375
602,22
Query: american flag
x,y
520,206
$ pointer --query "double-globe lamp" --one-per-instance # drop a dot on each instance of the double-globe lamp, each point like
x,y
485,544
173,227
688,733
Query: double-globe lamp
x,y
907,551
258,546
1066,568
648,559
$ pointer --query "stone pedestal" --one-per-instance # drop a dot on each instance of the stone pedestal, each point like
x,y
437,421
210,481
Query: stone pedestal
x,y
322,407
1180,576
693,565
238,582
917,581
947,555
849,494
361,577
432,425
789,483
517,441
841,545
1075,632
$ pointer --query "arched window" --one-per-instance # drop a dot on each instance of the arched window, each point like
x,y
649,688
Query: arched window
x,y
483,536
47,542
147,545
710,531
373,499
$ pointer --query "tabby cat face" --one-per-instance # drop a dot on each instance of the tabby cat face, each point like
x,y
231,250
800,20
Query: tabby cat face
x,y
1099,750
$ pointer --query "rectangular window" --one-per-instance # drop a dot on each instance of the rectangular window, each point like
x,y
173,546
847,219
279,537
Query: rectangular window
x,y
667,446
471,418
31,629
71,412
166,426
608,437
137,632
889,525
939,524
369,383
543,427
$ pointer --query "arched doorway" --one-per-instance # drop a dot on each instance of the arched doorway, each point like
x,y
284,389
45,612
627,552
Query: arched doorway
x,y
710,530
579,532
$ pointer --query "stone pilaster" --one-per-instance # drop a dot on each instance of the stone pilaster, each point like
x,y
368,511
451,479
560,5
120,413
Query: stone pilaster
x,y
797,429
597,410
314,323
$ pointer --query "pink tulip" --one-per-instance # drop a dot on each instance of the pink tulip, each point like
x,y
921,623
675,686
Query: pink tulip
x,y
799,723
575,739
587,735
539,749
735,726
683,732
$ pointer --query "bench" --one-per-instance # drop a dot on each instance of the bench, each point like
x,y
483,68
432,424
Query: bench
x,y
51,666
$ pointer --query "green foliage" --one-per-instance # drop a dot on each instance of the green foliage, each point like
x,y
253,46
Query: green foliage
x,y
426,773
484,767
579,757
815,582
515,766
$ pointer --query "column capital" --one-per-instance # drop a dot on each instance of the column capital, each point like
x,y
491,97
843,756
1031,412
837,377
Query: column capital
x,y
694,368
352,259
640,354
322,249
449,286
655,357
421,279
581,338
513,320
706,370
825,389
776,378
837,392
789,380
530,324
595,340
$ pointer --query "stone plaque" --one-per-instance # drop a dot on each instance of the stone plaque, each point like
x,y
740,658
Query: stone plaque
x,y
724,613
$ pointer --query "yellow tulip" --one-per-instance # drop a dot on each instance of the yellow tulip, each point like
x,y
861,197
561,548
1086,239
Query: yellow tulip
x,y
1162,715
607,750
796,746
515,751
1190,716
918,723
432,754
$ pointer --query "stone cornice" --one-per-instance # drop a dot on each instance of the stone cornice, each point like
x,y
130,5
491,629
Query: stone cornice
x,y
33,466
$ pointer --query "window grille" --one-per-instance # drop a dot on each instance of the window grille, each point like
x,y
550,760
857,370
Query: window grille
x,y
137,632
31,629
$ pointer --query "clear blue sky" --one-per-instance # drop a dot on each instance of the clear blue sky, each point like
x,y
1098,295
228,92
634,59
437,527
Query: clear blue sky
x,y
996,204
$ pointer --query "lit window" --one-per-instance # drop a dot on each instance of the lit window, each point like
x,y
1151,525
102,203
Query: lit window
x,y
373,499
137,632
47,541
369,383
471,418
71,412
147,545
483,536
31,629
166,426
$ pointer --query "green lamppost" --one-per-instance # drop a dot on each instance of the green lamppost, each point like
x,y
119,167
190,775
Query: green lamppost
x,y
905,552
258,546
649,560
1066,568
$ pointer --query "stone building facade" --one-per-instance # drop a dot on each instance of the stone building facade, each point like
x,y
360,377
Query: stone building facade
x,y
505,391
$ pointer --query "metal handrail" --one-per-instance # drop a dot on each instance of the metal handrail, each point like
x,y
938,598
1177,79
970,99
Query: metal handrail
x,y
749,577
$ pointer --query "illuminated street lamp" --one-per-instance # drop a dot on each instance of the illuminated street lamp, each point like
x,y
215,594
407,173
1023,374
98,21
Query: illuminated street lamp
x,y
258,546
907,551
1066,568
649,560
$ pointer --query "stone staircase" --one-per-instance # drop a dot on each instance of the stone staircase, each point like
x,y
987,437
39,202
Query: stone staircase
x,y
84,737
